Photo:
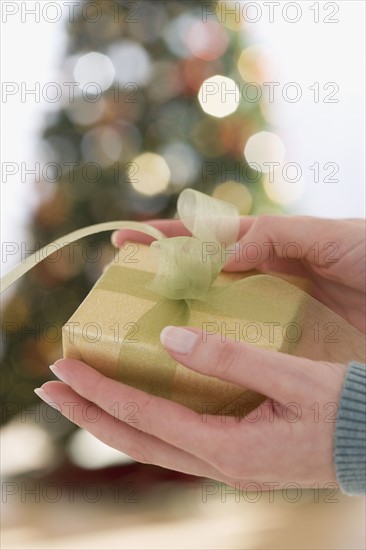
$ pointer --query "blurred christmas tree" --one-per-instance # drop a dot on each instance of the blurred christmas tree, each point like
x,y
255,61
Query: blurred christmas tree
x,y
145,112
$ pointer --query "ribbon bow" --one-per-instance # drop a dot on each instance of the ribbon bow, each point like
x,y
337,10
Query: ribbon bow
x,y
187,266
187,269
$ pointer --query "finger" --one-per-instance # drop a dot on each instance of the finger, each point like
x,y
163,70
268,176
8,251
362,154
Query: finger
x,y
170,228
289,238
275,266
168,421
124,436
274,374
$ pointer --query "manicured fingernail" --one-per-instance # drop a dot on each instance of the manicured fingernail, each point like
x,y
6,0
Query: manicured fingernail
x,y
178,339
57,371
46,398
114,238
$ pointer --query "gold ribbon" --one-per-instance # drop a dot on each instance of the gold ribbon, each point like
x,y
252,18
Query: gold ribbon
x,y
22,268
284,317
185,281
187,266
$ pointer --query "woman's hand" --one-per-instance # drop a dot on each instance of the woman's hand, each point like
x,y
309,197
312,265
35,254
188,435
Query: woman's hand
x,y
288,438
331,253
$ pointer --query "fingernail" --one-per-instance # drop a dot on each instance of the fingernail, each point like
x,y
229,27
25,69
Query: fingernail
x,y
46,398
57,371
114,238
178,339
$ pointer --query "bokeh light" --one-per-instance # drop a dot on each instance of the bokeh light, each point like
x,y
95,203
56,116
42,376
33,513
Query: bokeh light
x,y
279,187
88,452
237,194
131,138
84,112
263,149
131,62
24,447
219,96
102,144
175,34
207,40
94,67
256,64
149,173
183,163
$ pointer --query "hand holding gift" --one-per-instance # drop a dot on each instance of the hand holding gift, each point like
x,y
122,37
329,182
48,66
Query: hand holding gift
x,y
117,328
290,435
331,253
276,443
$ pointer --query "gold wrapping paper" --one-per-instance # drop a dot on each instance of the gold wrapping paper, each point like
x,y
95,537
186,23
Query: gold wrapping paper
x,y
116,330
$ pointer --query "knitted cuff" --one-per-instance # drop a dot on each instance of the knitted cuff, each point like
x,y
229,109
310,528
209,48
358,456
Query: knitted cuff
x,y
350,433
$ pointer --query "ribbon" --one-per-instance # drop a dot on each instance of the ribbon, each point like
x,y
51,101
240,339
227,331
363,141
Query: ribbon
x,y
185,281
187,268
22,268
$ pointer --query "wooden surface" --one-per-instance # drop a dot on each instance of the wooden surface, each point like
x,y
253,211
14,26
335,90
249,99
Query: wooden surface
x,y
180,516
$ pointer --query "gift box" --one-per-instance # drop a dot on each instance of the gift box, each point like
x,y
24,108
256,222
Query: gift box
x,y
117,327
179,281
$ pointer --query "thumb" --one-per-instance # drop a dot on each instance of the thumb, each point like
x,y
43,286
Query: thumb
x,y
277,375
288,238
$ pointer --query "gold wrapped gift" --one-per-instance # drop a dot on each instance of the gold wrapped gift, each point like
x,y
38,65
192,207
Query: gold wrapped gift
x,y
116,330
179,281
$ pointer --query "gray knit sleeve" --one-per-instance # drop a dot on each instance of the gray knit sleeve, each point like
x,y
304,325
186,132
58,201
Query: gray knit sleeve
x,y
350,432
